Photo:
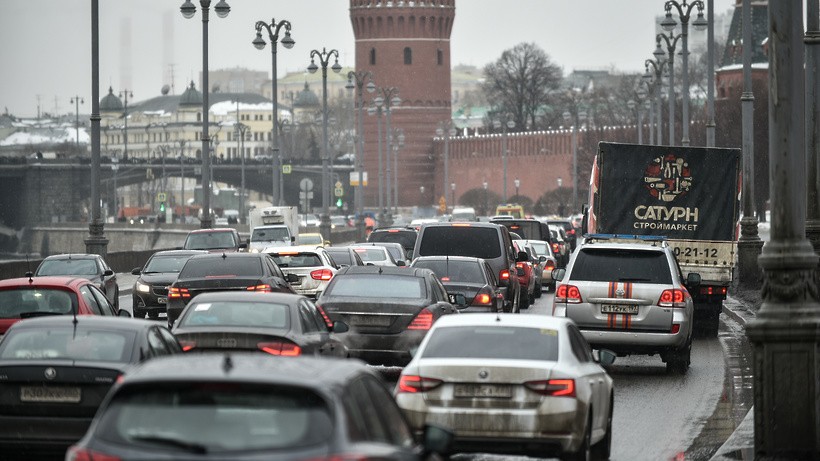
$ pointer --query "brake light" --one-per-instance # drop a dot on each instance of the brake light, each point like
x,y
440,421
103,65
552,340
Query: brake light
x,y
324,316
423,321
175,292
413,384
553,387
713,290
282,348
520,265
461,224
571,232
445,279
76,453
261,288
187,345
550,264
322,274
568,294
675,328
555,248
392,231
673,298
482,299
504,275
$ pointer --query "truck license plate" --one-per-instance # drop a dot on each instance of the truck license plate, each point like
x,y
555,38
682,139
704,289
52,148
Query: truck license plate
x,y
618,309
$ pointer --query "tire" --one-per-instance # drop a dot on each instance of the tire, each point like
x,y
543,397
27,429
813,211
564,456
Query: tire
x,y
523,301
602,450
139,313
584,451
677,363
711,325
538,290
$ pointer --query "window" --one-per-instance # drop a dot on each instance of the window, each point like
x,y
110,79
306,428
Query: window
x,y
610,264
408,56
372,56
105,304
158,346
309,324
90,300
509,343
440,57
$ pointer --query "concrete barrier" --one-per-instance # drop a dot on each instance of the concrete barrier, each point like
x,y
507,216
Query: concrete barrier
x,y
122,261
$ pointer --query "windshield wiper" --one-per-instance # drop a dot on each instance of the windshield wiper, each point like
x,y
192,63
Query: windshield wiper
x,y
172,442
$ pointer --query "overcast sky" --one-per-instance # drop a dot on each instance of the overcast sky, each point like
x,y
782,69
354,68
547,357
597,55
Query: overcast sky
x,y
46,44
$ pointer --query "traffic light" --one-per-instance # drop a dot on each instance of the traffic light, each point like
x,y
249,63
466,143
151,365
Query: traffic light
x,y
162,207
339,202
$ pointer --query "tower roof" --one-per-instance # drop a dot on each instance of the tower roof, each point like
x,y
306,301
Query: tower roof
x,y
110,102
306,98
191,97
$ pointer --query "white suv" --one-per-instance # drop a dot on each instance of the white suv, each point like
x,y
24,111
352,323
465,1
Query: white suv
x,y
627,294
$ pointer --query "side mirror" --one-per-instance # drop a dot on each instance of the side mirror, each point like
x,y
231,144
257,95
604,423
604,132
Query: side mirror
x,y
459,300
522,256
291,278
327,243
542,259
108,273
243,245
437,439
124,313
136,271
292,238
558,274
604,356
29,274
401,263
369,264
693,279
340,327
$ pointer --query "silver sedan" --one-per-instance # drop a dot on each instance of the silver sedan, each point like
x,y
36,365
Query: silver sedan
x,y
511,384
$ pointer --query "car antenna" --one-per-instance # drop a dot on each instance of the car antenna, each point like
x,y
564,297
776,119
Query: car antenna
x,y
29,274
227,363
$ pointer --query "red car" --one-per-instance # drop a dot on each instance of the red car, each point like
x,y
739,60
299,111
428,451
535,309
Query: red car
x,y
26,297
526,278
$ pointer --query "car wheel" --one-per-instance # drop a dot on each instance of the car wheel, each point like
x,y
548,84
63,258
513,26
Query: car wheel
x,y
538,289
523,301
678,361
584,451
601,450
139,313
711,322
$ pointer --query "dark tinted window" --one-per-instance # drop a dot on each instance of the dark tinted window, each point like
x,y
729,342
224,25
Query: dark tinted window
x,y
616,265
90,300
237,313
341,257
478,242
493,342
270,234
19,301
66,343
219,418
407,238
527,230
377,286
210,241
165,264
219,266
372,254
454,271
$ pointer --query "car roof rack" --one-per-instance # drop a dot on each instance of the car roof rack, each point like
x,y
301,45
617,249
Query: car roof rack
x,y
629,238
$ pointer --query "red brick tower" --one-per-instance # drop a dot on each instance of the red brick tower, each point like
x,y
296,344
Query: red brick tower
x,y
406,44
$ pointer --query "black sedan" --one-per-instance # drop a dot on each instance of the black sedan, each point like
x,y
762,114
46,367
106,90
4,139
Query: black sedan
x,y
388,309
234,272
250,407
150,293
471,277
57,370
89,266
275,323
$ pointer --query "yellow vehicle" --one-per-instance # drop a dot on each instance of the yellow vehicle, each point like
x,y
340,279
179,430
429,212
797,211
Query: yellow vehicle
x,y
516,211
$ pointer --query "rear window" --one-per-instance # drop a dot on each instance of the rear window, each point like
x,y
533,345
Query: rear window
x,y
210,241
221,267
377,286
341,257
477,242
527,230
66,343
165,264
407,239
237,314
27,302
270,234
371,254
493,342
217,418
621,265
297,260
541,249
454,271
67,267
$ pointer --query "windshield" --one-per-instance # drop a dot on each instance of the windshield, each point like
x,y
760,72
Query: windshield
x,y
237,314
166,264
217,417
222,267
22,301
306,239
513,343
614,265
377,286
68,343
210,241
454,271
270,234
341,257
67,267
406,238
541,249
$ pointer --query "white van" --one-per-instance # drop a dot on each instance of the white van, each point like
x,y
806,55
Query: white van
x,y
463,214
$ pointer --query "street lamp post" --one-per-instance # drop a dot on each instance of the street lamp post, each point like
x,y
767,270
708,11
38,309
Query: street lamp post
x,y
560,197
399,145
509,123
453,190
188,10
387,98
668,57
710,75
421,194
486,202
125,94
115,166
96,242
324,59
241,130
259,42
655,78
580,117
668,24
76,100
358,78
812,41
447,130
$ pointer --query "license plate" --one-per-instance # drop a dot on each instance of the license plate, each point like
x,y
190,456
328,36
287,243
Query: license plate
x,y
618,309
371,320
487,391
162,300
50,394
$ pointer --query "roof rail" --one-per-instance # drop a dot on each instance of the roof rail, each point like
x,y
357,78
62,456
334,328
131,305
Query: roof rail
x,y
589,238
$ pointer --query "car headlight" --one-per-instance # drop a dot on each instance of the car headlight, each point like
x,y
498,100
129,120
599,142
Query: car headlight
x,y
143,288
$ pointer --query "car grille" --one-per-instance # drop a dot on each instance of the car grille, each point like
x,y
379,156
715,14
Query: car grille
x,y
160,291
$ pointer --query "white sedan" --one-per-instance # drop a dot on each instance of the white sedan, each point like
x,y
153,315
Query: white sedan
x,y
511,384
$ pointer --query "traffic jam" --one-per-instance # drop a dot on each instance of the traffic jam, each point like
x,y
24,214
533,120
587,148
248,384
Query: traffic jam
x,y
467,334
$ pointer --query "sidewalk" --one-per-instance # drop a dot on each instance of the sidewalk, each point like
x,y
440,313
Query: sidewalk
x,y
740,445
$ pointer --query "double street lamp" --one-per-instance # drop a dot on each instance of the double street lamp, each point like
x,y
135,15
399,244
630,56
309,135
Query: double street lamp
x,y
76,100
654,79
399,144
240,131
633,105
671,43
447,130
503,125
273,29
360,80
324,59
388,98
188,10
580,117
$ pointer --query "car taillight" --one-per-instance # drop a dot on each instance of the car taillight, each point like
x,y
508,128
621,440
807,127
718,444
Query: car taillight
x,y
519,264
483,299
413,384
571,232
261,288
713,290
283,348
553,387
556,248
321,274
83,454
673,298
423,321
550,264
568,294
504,275
175,292
187,345
321,310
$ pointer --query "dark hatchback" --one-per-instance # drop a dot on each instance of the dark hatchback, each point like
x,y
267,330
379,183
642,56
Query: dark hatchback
x,y
251,407
471,277
236,272
280,324
388,310
406,236
150,293
55,373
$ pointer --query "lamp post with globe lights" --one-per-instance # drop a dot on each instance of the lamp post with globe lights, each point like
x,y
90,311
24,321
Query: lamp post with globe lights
x,y
76,100
96,242
447,130
580,117
324,59
188,10
654,79
668,24
360,80
486,203
273,29
388,98
398,145
669,57
504,125
240,131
